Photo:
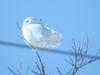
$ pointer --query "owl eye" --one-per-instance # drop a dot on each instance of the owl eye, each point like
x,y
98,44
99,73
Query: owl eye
x,y
27,21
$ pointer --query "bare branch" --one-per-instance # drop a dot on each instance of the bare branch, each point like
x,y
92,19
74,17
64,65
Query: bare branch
x,y
59,71
27,70
41,64
34,72
40,67
14,73
79,58
19,27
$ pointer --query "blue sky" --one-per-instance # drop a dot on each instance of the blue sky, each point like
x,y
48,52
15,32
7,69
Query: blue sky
x,y
72,18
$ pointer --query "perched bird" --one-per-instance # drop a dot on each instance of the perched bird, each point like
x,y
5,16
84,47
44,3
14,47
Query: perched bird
x,y
38,35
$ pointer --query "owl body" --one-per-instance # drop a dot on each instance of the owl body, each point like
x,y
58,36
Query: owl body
x,y
39,35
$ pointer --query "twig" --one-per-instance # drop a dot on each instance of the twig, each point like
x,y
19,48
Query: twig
x,y
12,71
42,70
40,67
59,71
79,59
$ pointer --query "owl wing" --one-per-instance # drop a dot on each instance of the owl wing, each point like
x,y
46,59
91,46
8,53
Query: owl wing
x,y
50,38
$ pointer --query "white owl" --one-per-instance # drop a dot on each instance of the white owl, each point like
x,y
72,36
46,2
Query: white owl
x,y
38,35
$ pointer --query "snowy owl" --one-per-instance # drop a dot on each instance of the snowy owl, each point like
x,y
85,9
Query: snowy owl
x,y
38,35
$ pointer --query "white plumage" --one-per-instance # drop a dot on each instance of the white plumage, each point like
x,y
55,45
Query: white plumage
x,y
38,35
